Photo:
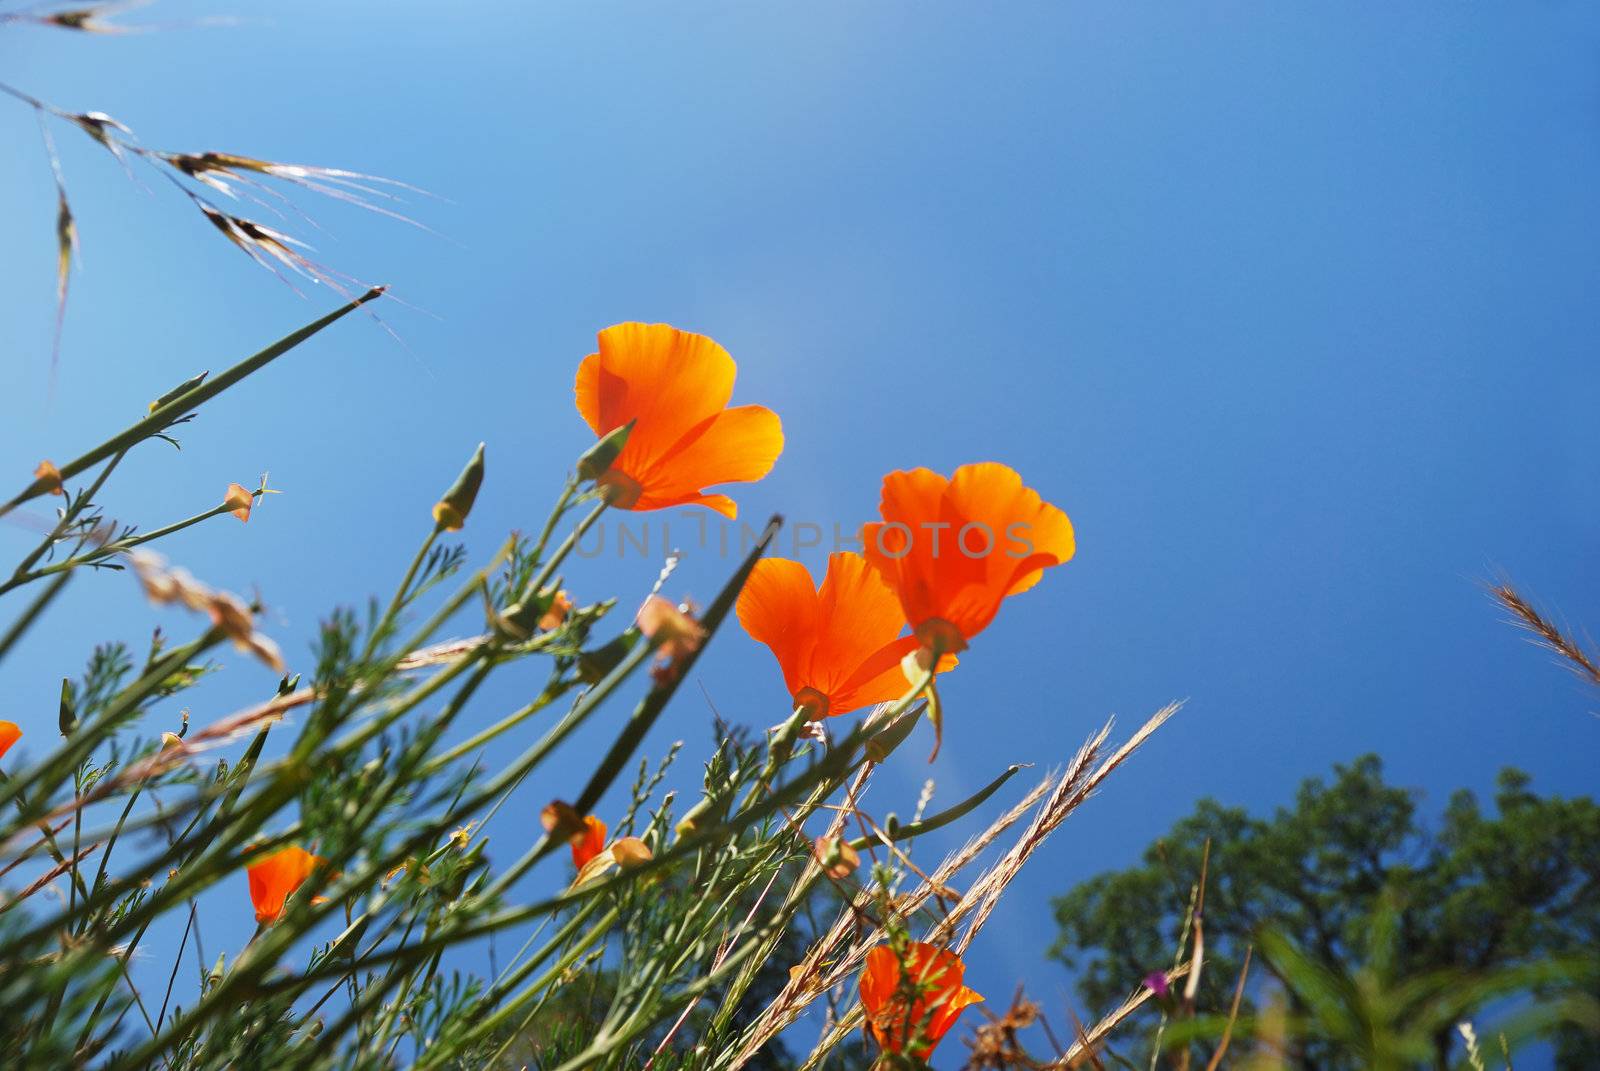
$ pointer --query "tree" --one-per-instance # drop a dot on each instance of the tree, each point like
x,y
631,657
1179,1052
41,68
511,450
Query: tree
x,y
1478,898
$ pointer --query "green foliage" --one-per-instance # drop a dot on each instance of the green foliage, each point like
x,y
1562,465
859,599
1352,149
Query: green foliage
x,y
1377,925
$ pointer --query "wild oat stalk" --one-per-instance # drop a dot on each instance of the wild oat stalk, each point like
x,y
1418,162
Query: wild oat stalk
x,y
241,197
1544,632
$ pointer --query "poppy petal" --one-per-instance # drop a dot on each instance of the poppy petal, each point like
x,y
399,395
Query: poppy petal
x,y
778,607
10,733
1015,517
899,548
737,445
720,503
858,613
274,877
880,679
589,841
666,379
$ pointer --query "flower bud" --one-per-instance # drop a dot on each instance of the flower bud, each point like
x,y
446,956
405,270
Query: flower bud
x,y
69,707
450,512
703,815
172,753
597,460
883,743
179,391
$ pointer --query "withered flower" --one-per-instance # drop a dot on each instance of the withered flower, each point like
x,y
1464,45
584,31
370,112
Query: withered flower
x,y
238,501
51,477
677,634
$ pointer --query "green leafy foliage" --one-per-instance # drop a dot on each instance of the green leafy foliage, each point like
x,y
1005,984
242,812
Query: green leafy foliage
x,y
1380,926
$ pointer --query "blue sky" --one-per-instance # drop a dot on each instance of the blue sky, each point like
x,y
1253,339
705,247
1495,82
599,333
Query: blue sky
x,y
1291,308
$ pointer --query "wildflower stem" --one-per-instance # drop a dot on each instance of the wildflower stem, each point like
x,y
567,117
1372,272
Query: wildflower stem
x,y
382,627
563,502
83,740
655,701
35,608
111,843
118,546
538,583
938,821
838,762
536,989
164,415
79,503
504,725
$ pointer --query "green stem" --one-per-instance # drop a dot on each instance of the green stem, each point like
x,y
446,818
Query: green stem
x,y
942,819
35,608
538,583
115,547
85,737
164,415
445,1050
838,762
499,728
71,514
399,600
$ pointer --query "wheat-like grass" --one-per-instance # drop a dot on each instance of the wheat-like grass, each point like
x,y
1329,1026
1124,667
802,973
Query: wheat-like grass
x,y
846,944
1545,633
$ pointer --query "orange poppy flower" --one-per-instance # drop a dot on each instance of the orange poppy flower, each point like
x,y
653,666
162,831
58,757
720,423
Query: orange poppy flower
x,y
675,385
275,876
940,996
10,733
839,646
952,549
589,841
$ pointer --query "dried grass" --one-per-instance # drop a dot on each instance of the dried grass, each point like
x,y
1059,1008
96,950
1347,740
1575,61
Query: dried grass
x,y
839,953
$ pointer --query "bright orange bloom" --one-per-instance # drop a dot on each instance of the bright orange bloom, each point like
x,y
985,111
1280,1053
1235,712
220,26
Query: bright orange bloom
x,y
839,646
940,996
952,549
238,501
588,842
275,876
676,386
10,733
